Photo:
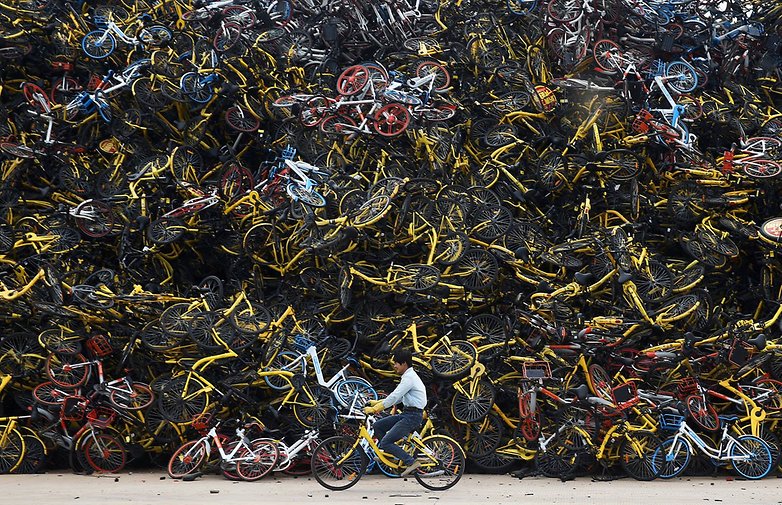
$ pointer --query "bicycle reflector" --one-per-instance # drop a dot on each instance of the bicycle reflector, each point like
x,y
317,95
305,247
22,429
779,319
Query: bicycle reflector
x,y
544,99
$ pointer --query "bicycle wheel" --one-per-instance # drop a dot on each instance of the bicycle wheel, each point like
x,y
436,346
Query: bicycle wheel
x,y
564,11
687,78
312,406
138,396
35,451
485,326
521,7
472,405
50,394
761,169
671,459
183,398
370,212
353,80
240,14
654,283
751,457
257,461
187,459
415,277
241,120
95,219
68,371
605,52
772,229
155,36
702,413
441,79
309,197
336,126
636,455
195,87
104,453
95,48
716,242
559,457
61,341
452,360
36,97
439,112
166,230
337,464
620,164
11,451
175,320
354,392
228,34
451,248
391,120
250,317
476,270
442,463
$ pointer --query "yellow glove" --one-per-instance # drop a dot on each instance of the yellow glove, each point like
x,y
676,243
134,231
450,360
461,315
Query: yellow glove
x,y
372,403
374,409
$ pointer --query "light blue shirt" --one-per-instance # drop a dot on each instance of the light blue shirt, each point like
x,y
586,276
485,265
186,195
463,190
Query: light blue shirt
x,y
410,391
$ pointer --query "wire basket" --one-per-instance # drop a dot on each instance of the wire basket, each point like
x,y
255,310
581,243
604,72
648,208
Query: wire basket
x,y
73,408
202,422
671,422
288,153
687,386
640,123
99,346
544,99
739,354
101,22
101,417
657,67
625,395
536,370
94,81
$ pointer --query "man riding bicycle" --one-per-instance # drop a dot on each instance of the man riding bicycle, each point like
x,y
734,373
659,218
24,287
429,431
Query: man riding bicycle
x,y
411,392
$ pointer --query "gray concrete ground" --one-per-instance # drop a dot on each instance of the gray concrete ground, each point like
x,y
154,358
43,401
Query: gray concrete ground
x,y
152,488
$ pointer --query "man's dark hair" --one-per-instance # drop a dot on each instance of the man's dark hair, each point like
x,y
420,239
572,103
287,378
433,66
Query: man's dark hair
x,y
403,356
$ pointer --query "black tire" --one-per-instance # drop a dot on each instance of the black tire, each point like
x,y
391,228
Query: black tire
x,y
443,466
454,360
636,454
327,471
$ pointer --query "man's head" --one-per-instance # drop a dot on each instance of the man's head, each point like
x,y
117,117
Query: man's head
x,y
403,359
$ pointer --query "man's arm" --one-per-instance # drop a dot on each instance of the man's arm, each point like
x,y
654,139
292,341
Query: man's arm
x,y
405,384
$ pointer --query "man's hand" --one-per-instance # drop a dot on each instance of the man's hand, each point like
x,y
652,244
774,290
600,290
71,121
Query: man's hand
x,y
374,407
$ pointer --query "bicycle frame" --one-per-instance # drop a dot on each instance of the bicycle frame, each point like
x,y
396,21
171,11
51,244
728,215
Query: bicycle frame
x,y
694,441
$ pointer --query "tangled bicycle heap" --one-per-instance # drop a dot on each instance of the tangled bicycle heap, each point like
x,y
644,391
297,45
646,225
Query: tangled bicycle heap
x,y
240,208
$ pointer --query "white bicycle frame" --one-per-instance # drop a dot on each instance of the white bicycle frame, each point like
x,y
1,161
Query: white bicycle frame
x,y
673,114
227,457
112,29
333,383
692,441
289,452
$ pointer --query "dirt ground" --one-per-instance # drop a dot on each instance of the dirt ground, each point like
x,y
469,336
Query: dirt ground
x,y
147,487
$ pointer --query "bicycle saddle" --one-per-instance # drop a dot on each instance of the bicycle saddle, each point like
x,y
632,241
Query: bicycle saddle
x,y
759,342
584,279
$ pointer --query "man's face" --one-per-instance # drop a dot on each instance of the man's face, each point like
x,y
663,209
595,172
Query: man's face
x,y
400,367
